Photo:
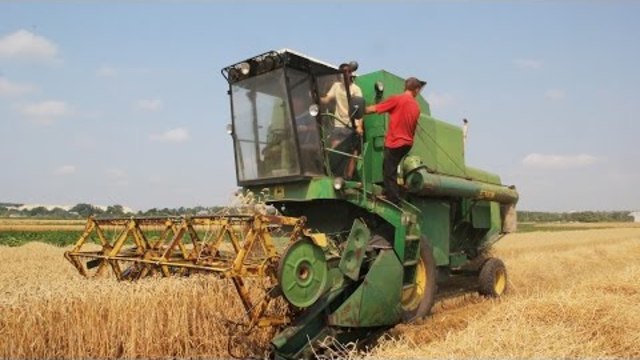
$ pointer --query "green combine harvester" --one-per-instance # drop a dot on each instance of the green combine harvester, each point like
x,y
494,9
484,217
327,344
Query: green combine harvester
x,y
377,264
348,263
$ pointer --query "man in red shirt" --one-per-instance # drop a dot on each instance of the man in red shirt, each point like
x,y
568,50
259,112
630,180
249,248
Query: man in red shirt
x,y
404,112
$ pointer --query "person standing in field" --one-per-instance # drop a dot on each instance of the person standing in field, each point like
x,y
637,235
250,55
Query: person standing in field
x,y
404,112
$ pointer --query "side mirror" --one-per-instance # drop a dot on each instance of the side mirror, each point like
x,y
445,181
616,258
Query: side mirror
x,y
357,107
314,110
379,89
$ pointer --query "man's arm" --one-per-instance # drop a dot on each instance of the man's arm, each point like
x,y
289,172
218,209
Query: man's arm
x,y
370,109
382,107
331,95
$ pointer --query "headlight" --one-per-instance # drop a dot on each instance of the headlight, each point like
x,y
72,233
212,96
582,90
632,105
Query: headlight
x,y
338,183
230,129
244,68
266,64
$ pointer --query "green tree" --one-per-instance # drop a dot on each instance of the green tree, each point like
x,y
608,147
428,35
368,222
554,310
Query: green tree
x,y
39,211
86,210
115,210
59,213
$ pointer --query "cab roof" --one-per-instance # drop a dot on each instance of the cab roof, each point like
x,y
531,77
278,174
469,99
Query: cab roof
x,y
274,59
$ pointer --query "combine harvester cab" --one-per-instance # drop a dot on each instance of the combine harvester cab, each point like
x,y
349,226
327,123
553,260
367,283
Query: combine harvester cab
x,y
348,263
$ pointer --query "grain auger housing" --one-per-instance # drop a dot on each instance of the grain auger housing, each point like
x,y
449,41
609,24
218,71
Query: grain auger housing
x,y
347,263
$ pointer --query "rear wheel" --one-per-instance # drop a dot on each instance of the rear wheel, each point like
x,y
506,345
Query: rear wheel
x,y
493,278
417,300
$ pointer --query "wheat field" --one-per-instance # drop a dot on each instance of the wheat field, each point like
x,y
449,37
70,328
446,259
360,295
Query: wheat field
x,y
573,294
40,225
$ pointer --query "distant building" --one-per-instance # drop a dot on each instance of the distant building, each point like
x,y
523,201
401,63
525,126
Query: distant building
x,y
635,215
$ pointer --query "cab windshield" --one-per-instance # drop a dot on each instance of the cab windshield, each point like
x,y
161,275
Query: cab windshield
x,y
274,134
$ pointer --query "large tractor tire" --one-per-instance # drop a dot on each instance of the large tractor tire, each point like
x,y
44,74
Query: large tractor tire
x,y
492,278
417,302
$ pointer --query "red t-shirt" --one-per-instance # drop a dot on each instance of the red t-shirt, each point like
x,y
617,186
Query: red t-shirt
x,y
404,112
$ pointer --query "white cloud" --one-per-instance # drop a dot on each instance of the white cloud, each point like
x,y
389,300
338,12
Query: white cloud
x,y
149,104
439,101
120,183
555,94
27,45
116,173
174,135
65,170
118,177
46,111
8,88
531,64
84,142
536,160
106,71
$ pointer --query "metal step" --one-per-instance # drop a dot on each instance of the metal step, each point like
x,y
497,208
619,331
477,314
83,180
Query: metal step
x,y
408,286
412,238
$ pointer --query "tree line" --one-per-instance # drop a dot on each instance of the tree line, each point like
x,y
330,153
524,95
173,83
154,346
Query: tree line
x,y
575,216
82,211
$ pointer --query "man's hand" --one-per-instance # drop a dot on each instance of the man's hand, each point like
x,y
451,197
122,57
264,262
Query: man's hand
x,y
370,109
359,127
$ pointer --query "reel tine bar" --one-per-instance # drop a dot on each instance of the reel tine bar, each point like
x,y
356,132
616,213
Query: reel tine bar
x,y
232,246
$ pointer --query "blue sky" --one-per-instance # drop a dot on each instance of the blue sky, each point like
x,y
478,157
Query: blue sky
x,y
124,102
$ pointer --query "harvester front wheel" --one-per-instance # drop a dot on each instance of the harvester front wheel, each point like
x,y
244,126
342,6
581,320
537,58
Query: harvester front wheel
x,y
418,299
493,278
303,273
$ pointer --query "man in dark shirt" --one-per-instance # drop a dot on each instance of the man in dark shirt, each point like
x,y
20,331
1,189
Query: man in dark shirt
x,y
404,112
